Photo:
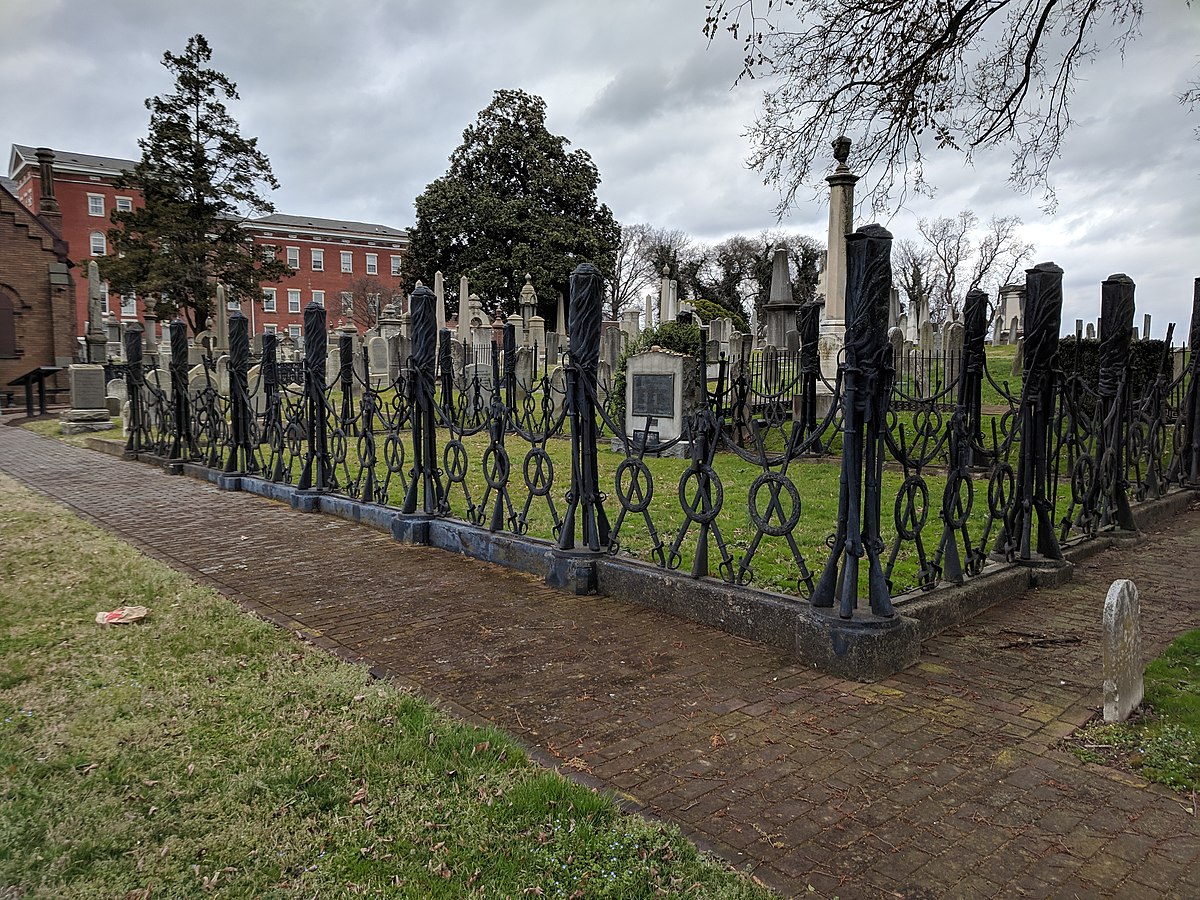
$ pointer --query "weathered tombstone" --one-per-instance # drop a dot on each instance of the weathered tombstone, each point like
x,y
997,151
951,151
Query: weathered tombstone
x,y
792,340
198,381
610,344
896,339
1012,330
524,370
222,376
552,348
333,362
1146,327
665,386
1018,363
115,393
952,351
377,361
89,407
1123,685
1135,333
1091,331
926,337
458,359
258,394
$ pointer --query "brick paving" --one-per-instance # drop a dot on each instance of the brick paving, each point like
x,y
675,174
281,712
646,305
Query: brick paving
x,y
943,780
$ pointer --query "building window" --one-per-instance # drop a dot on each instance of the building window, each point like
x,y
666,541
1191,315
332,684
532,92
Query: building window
x,y
319,298
268,299
293,257
95,204
104,297
129,306
124,204
372,263
293,301
8,329
270,329
294,332
318,260
373,304
269,251
395,265
347,261
99,247
347,303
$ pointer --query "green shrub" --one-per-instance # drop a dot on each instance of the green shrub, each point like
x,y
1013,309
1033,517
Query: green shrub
x,y
674,336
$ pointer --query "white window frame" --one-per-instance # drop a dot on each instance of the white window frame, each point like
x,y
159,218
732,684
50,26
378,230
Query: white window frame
x,y
293,257
269,252
104,296
103,243
318,297
129,306
96,205
295,331
396,266
318,259
347,262
372,263
124,204
269,300
270,328
293,300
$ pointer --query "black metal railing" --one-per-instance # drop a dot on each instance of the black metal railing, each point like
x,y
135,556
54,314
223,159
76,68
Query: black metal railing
x,y
895,476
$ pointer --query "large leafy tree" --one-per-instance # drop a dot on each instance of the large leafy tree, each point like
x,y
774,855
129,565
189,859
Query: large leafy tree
x,y
514,201
200,179
906,76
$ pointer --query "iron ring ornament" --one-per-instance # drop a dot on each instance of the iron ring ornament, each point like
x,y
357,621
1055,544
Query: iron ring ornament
x,y
495,467
958,499
393,454
776,484
538,470
706,478
454,461
635,485
912,507
1002,487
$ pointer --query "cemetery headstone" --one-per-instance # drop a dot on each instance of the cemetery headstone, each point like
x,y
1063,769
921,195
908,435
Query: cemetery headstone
x,y
89,407
1123,684
664,387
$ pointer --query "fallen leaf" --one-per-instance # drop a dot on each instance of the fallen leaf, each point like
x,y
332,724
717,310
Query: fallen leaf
x,y
359,796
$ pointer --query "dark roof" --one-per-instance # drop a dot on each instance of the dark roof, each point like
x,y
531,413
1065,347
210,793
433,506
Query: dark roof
x,y
301,222
70,159
60,245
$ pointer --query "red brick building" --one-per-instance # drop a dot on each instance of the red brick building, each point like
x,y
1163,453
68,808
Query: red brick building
x,y
37,322
351,267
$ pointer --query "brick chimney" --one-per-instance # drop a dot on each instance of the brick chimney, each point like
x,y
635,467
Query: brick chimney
x,y
48,204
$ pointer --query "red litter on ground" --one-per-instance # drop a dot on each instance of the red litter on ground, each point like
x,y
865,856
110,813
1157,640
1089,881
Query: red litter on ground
x,y
121,615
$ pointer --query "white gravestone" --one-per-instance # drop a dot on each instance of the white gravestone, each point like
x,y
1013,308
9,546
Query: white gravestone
x,y
1122,651
663,388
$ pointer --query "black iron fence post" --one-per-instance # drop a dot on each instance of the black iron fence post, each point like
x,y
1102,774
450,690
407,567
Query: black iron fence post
x,y
135,379
272,430
510,367
584,500
966,446
240,457
425,475
1191,407
318,468
809,322
446,372
1032,507
970,385
346,378
867,389
1114,390
182,440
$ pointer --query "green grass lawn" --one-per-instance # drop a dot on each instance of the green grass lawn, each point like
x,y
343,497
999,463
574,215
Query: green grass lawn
x,y
1162,742
203,752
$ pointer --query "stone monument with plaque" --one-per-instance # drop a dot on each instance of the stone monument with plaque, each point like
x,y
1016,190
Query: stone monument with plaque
x,y
662,389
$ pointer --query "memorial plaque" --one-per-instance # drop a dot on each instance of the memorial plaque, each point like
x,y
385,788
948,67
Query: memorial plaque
x,y
654,395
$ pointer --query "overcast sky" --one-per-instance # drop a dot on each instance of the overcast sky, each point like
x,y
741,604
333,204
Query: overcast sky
x,y
359,105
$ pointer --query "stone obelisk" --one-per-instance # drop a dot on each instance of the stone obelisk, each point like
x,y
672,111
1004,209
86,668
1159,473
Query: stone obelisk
x,y
841,224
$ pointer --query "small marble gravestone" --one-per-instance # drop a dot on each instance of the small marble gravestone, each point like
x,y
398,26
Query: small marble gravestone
x,y
1122,651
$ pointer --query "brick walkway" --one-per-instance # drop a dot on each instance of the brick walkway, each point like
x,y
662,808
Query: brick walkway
x,y
940,781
